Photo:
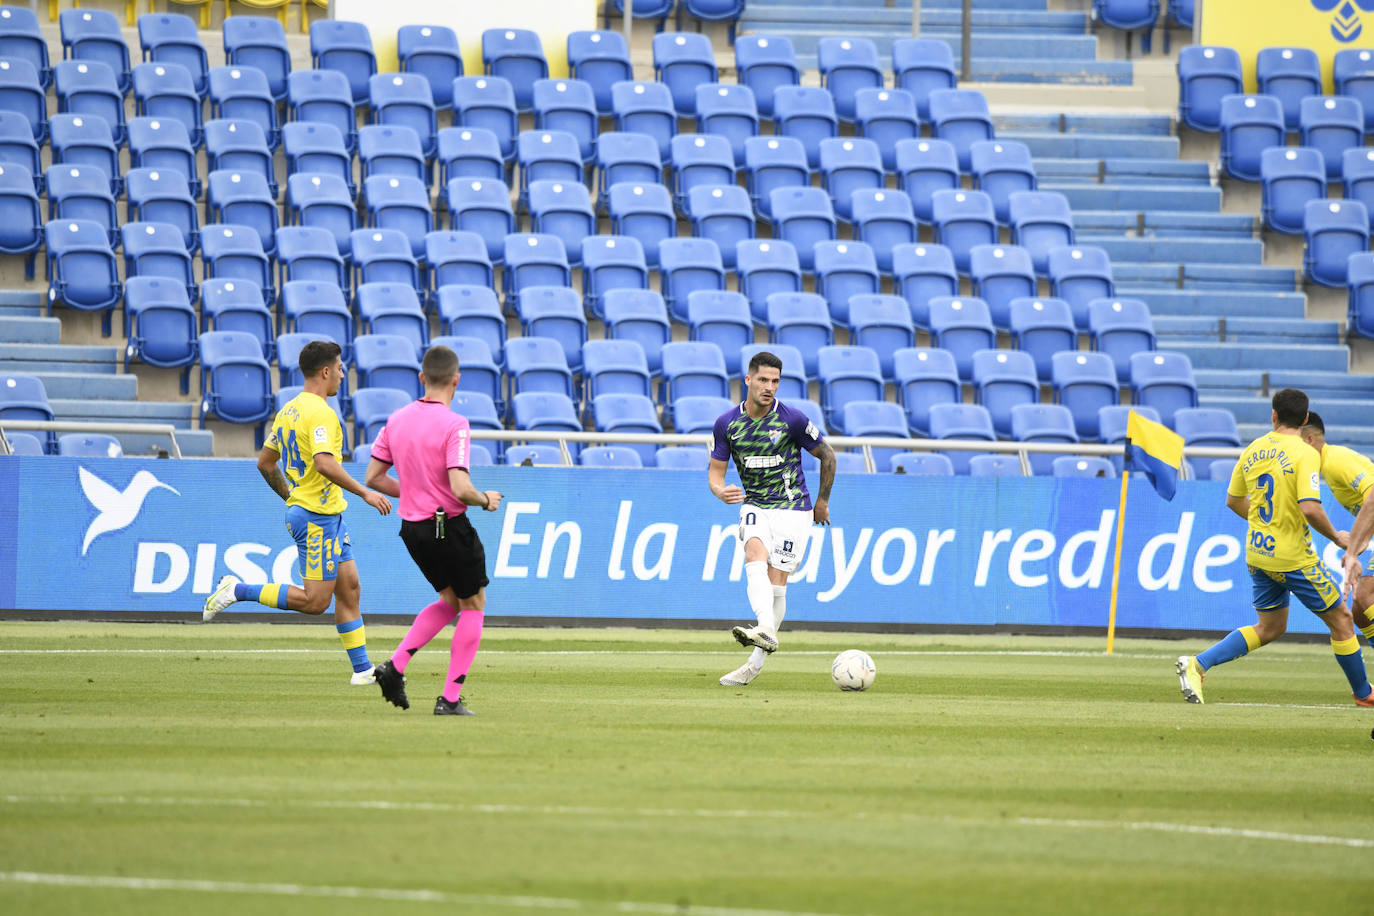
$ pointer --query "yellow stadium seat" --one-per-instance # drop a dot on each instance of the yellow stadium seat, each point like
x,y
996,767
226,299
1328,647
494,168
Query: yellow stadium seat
x,y
305,19
281,6
203,4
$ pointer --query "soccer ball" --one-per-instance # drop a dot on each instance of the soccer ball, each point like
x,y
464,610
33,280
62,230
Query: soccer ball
x,y
853,670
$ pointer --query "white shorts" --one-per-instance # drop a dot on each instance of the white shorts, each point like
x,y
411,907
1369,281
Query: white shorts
x,y
784,533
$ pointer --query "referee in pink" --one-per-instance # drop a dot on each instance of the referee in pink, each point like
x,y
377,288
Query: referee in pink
x,y
430,447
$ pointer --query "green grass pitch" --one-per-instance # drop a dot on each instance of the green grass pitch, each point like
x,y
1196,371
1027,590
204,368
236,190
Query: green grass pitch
x,y
173,769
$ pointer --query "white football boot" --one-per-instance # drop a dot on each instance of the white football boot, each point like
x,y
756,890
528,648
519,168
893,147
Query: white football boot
x,y
741,676
220,598
364,678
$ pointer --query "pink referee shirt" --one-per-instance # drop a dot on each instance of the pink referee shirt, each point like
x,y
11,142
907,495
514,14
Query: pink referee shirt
x,y
422,441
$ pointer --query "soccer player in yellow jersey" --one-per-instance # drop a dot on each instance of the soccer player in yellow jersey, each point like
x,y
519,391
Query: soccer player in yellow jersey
x,y
1350,476
1276,487
307,438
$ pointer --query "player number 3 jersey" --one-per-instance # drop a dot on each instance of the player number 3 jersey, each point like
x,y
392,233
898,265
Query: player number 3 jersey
x,y
767,452
1278,472
304,428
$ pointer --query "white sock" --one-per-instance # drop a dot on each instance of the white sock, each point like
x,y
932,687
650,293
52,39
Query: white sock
x,y
760,593
779,608
757,657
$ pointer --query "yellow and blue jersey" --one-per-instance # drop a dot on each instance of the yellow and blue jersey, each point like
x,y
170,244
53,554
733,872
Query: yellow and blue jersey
x,y
1349,474
305,427
1277,472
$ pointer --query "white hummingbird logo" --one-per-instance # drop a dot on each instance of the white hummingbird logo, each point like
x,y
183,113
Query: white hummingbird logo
x,y
117,510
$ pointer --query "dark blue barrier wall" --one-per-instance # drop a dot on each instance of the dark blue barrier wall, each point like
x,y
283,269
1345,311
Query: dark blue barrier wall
x,y
144,535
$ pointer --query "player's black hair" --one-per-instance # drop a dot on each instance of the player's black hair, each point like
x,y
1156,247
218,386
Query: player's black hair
x,y
1290,405
316,355
440,365
764,358
1314,423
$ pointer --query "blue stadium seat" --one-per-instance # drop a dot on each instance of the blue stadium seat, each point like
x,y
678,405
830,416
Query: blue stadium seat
x,y
643,212
481,413
721,317
387,361
1049,423
27,444
925,167
792,386
289,375
763,63
729,111
259,41
569,106
88,87
721,214
1205,76
473,311
645,108
382,256
615,456
625,158
243,94
961,117
1360,293
1078,275
21,221
1210,427
393,309
431,51
454,257
168,91
84,140
691,369
469,152
405,100
555,312
323,96
804,217
235,381
876,418
1352,71
700,160
94,35
1042,328
884,221
964,421
687,265
547,411
1000,274
847,374
963,219
240,146
487,102
322,201
1250,124
482,206
615,367
347,48
921,273
537,364
883,324
1163,381
922,464
372,407
611,262
1334,229
390,151
1290,75
24,397
233,252
727,11
1220,469
157,249
309,307
534,454
1040,221
563,209
844,270
1332,125
1077,466
680,457
163,145
313,146
625,413
1001,168
517,56
925,376
771,163
243,198
920,66
89,445
479,372
161,326
640,316
684,61
697,414
764,267
887,117
806,114
532,259
236,310
310,253
1121,328
22,94
849,164
17,145
397,202
157,196
172,38
1357,176
800,320
1084,383
1002,381
21,39
73,191
602,59
847,66
1111,426
962,326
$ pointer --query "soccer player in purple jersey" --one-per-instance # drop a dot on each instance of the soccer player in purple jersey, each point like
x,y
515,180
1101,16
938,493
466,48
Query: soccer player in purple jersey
x,y
765,437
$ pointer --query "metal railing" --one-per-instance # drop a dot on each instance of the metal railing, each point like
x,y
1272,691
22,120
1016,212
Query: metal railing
x,y
165,429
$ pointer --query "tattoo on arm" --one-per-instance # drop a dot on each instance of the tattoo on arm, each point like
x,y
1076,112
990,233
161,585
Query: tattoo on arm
x,y
277,481
826,455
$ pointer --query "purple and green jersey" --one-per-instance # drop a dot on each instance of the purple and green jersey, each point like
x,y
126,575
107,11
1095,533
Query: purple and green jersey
x,y
767,453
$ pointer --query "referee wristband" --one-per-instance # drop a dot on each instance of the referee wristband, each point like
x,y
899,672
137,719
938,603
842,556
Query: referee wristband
x,y
486,501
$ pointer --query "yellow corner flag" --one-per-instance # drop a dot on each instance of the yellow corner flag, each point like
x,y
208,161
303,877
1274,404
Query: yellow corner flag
x,y
1156,451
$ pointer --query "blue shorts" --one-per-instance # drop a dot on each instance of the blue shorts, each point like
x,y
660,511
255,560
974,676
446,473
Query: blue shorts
x,y
1312,585
322,541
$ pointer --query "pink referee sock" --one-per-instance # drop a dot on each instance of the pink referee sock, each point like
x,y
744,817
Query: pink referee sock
x,y
466,635
427,623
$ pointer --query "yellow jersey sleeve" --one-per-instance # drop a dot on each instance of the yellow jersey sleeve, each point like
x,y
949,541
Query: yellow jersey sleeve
x,y
1349,474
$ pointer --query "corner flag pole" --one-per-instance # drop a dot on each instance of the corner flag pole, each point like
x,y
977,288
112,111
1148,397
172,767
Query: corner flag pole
x,y
1116,559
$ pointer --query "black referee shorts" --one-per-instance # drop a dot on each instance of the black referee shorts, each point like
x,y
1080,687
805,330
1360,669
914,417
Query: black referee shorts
x,y
456,561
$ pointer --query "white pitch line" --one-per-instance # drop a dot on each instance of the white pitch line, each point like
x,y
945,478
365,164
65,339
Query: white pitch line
x,y
111,882
701,813
1285,706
